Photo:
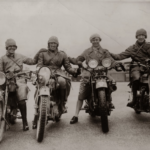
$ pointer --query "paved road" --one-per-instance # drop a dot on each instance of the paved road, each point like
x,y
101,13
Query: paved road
x,y
128,131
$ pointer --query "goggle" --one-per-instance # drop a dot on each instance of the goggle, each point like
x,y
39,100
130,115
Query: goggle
x,y
12,46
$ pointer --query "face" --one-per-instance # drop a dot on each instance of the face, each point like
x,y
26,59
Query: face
x,y
53,46
11,49
95,42
141,38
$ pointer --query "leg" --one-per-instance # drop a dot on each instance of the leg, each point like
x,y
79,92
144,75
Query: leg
x,y
84,92
78,107
22,92
112,87
135,85
23,109
34,122
63,93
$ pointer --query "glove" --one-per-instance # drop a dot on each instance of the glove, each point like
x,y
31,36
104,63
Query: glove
x,y
147,61
82,64
119,67
78,72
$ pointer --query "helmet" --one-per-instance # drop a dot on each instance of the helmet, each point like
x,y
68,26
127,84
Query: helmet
x,y
53,39
10,42
95,36
141,32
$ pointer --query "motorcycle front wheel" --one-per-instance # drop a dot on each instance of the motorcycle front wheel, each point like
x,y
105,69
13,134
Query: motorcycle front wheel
x,y
103,109
42,118
2,122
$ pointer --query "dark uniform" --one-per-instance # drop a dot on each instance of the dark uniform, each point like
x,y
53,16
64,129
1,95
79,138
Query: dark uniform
x,y
138,53
55,60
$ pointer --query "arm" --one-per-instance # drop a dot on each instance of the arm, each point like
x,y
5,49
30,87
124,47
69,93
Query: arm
x,y
1,65
40,60
148,50
81,57
113,62
73,60
37,54
34,61
123,55
67,65
27,60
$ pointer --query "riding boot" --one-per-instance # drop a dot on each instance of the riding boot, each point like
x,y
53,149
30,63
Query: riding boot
x,y
135,87
63,100
112,88
111,105
23,110
34,123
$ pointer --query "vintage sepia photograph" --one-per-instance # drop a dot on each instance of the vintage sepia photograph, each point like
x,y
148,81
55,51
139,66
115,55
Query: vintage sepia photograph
x,y
74,74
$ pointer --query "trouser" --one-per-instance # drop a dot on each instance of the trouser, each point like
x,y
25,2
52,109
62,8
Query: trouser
x,y
135,82
23,109
22,90
60,94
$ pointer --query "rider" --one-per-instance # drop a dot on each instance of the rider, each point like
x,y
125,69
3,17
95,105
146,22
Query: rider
x,y
55,59
13,62
139,52
98,53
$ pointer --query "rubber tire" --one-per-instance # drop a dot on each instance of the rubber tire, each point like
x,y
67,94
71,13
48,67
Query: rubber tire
x,y
57,118
2,122
103,109
137,112
41,123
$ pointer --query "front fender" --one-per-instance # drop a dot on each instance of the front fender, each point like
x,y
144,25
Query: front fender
x,y
101,84
44,90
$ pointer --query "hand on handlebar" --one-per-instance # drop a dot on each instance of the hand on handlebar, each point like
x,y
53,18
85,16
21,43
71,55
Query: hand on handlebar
x,y
147,61
78,72
82,64
120,67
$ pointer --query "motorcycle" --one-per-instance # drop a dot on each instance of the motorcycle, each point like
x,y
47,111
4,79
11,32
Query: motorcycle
x,y
142,98
47,99
8,109
98,104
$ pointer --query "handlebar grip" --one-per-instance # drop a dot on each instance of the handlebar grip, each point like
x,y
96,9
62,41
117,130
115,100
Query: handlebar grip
x,y
80,64
117,69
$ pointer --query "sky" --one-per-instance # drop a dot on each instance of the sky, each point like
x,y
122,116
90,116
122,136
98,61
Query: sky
x,y
32,22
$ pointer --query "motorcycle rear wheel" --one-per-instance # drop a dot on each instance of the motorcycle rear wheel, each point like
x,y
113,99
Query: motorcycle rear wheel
x,y
137,112
42,118
103,109
2,122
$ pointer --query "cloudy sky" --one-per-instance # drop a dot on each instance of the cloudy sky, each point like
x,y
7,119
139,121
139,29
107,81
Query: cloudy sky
x,y
32,22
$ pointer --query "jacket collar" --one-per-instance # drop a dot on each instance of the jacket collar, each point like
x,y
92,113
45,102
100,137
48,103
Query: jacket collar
x,y
10,55
138,45
54,52
99,49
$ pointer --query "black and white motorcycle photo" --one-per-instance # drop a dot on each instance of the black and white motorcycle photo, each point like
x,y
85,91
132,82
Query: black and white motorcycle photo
x,y
74,74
